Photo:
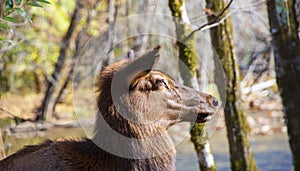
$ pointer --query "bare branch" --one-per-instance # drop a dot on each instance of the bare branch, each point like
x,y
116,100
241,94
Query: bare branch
x,y
213,22
218,20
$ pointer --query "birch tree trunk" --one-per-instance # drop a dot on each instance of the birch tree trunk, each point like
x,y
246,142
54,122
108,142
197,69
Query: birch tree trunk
x,y
284,28
187,55
237,127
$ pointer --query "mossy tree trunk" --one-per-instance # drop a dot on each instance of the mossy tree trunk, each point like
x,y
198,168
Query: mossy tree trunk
x,y
286,47
237,127
188,72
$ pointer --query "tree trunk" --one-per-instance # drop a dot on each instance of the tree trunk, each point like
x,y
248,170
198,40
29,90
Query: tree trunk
x,y
45,111
2,148
112,10
189,58
141,40
2,7
237,127
37,81
80,40
65,85
286,46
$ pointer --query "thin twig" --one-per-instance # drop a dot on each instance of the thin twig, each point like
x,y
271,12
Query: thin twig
x,y
217,19
213,22
222,12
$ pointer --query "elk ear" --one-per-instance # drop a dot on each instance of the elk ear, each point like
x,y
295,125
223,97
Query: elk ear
x,y
122,78
144,63
129,55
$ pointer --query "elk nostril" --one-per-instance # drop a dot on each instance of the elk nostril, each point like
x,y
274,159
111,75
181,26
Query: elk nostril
x,y
215,102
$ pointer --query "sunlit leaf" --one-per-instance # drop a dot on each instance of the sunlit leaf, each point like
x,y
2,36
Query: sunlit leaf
x,y
34,4
44,1
2,38
23,14
2,25
10,19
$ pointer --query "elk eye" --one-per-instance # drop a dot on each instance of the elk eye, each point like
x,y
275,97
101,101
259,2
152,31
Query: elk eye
x,y
161,82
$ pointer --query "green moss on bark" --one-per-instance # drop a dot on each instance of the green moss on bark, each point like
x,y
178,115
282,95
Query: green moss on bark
x,y
188,56
199,139
175,6
237,127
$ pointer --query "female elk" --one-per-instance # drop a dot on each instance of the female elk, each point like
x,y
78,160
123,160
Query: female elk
x,y
136,106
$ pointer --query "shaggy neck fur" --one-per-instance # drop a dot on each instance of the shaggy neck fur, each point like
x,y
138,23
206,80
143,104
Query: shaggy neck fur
x,y
160,149
86,155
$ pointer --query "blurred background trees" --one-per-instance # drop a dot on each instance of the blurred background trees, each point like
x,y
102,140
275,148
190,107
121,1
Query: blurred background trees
x,y
46,109
41,40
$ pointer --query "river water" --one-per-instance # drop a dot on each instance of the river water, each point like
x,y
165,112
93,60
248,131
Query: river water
x,y
272,152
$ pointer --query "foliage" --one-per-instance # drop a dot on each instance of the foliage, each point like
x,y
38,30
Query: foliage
x,y
37,46
19,7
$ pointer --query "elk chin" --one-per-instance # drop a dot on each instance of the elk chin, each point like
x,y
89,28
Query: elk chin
x,y
200,118
203,117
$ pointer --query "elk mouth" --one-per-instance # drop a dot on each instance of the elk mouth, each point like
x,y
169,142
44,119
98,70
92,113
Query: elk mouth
x,y
203,117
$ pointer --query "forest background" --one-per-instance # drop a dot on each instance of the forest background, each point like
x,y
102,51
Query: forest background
x,y
42,40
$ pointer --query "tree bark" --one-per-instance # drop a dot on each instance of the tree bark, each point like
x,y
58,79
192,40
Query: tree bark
x,y
80,40
189,58
2,148
237,127
141,40
45,111
65,85
2,7
37,81
286,46
112,10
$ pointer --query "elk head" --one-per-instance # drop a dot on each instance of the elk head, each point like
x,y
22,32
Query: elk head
x,y
149,96
140,103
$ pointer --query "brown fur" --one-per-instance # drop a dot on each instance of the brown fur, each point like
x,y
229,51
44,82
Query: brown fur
x,y
156,103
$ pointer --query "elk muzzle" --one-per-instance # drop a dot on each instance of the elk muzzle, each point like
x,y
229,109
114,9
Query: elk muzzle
x,y
196,106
